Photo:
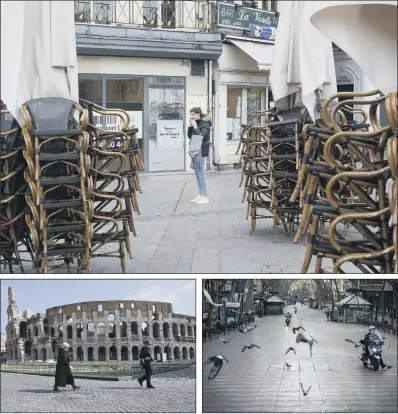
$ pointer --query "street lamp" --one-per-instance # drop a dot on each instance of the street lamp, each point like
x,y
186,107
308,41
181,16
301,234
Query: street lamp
x,y
377,306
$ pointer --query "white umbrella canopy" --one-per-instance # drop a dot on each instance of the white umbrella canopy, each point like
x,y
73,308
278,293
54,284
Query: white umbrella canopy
x,y
303,64
38,52
367,32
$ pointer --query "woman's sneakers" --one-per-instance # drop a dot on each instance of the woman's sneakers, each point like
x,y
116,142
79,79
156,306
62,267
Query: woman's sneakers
x,y
194,200
202,200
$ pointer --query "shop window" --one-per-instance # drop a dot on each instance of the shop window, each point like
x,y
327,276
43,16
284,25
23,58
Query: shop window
x,y
90,89
253,104
234,112
197,67
271,5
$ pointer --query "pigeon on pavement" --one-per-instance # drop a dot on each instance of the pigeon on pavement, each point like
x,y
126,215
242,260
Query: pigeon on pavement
x,y
217,365
297,329
305,392
307,339
248,328
250,347
225,341
290,349
208,297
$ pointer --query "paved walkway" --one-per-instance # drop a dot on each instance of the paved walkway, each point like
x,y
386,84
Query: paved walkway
x,y
175,392
177,236
259,381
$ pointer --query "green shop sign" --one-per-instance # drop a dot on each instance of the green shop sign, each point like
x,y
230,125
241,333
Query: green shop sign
x,y
242,17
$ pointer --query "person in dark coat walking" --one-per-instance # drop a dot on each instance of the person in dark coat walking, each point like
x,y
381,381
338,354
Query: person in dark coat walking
x,y
63,373
198,126
146,359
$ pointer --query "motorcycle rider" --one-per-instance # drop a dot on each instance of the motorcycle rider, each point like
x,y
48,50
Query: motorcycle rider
x,y
365,342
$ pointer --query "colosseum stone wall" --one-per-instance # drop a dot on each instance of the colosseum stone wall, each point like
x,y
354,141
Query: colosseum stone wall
x,y
100,331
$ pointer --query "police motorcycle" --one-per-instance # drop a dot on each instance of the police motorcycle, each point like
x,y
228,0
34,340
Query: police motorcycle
x,y
372,349
288,318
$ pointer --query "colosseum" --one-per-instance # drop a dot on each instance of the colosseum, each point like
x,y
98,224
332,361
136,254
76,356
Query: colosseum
x,y
100,331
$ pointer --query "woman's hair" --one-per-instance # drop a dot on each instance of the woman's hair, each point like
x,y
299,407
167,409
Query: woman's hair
x,y
197,110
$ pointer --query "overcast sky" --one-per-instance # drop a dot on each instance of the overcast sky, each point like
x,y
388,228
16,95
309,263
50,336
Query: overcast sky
x,y
39,295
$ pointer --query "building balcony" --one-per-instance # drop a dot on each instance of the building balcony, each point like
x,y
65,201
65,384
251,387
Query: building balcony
x,y
161,29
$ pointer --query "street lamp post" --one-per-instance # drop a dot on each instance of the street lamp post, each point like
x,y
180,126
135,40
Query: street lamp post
x,y
377,306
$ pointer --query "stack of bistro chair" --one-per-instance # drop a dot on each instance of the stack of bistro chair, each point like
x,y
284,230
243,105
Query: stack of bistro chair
x,y
270,159
59,182
14,235
343,182
115,164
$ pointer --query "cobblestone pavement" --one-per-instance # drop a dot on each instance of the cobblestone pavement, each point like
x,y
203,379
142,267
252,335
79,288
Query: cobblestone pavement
x,y
177,236
175,392
259,381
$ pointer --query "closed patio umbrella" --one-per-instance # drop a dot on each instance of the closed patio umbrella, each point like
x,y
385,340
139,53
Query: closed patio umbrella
x,y
38,52
367,32
303,66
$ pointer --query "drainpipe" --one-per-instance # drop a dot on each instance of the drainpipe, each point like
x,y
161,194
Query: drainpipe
x,y
210,106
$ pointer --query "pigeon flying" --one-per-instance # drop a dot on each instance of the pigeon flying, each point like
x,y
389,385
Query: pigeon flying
x,y
290,349
297,329
210,300
305,392
288,365
250,347
351,341
217,365
225,341
307,339
248,328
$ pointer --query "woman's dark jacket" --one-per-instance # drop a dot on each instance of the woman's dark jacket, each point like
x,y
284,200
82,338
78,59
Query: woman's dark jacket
x,y
63,373
204,130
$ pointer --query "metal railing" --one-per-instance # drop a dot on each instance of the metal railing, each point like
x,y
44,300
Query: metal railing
x,y
165,14
98,369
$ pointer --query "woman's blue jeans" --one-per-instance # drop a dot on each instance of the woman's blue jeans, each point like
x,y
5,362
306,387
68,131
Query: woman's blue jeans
x,y
201,176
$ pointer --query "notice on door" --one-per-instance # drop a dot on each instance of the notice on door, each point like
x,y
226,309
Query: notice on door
x,y
170,134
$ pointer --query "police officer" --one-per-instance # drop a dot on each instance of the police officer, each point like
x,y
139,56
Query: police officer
x,y
146,359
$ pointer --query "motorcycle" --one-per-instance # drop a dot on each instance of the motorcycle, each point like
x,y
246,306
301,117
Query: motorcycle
x,y
374,348
288,319
295,309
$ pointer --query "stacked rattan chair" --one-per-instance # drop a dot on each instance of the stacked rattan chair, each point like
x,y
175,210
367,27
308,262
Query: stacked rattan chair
x,y
270,159
14,234
60,183
116,162
343,182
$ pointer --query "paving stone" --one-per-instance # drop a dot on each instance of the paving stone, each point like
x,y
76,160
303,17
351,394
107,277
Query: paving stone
x,y
175,392
345,387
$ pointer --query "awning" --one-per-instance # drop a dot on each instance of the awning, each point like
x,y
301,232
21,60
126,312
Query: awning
x,y
353,300
274,299
261,53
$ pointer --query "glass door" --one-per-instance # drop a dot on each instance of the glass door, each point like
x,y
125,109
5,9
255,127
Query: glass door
x,y
166,128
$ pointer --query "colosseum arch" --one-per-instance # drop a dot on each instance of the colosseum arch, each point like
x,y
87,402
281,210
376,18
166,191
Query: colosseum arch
x,y
190,330
69,332
54,348
101,353
167,351
45,326
191,353
69,320
70,353
184,352
134,328
157,350
29,334
52,331
90,353
177,353
124,353
145,329
123,329
90,329
43,354
136,353
156,330
28,348
35,358
101,328
182,328
113,353
35,331
60,331
175,330
112,330
79,354
111,317
23,327
166,330
79,330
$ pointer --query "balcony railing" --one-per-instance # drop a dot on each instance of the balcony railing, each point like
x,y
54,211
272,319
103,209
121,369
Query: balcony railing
x,y
164,14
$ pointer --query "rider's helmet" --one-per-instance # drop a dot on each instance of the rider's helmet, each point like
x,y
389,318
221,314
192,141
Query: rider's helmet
x,y
371,328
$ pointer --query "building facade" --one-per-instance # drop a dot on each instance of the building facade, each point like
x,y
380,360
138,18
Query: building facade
x,y
100,331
